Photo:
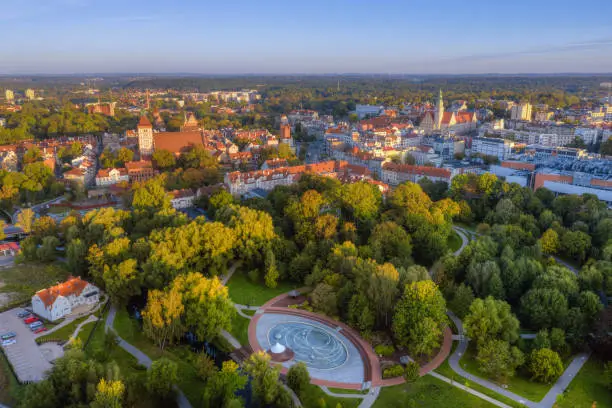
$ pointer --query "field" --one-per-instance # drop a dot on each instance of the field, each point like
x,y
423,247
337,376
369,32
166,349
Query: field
x,y
518,384
448,372
428,392
454,241
64,333
240,327
21,281
245,292
311,398
587,388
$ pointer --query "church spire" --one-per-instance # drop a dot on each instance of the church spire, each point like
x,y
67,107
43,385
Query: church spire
x,y
439,111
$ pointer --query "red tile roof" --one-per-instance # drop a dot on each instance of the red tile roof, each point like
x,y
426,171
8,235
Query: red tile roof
x,y
72,287
177,142
419,170
144,122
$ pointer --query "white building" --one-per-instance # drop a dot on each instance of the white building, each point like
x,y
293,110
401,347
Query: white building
x,y
58,301
548,139
521,112
364,110
588,135
108,177
182,199
488,146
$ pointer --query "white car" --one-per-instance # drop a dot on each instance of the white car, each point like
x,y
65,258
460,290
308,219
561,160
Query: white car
x,y
8,342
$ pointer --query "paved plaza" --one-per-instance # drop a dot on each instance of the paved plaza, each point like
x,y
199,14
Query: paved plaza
x,y
328,354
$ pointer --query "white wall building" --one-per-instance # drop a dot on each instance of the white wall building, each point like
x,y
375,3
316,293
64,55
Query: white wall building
x,y
108,177
58,301
588,135
364,110
499,148
182,199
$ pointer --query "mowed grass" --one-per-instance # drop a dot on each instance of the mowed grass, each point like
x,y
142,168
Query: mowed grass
x,y
245,292
518,384
588,387
128,365
428,392
446,370
23,280
240,329
313,396
65,332
343,391
189,382
454,241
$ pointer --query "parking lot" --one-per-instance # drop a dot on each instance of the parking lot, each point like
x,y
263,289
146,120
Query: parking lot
x,y
25,356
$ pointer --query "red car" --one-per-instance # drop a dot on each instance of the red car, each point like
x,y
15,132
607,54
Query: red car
x,y
40,330
31,319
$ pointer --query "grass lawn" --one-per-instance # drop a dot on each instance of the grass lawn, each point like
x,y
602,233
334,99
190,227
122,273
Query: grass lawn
x,y
588,386
454,241
23,280
343,391
448,372
249,312
311,398
128,365
245,292
189,382
10,389
59,209
240,329
518,384
65,332
428,391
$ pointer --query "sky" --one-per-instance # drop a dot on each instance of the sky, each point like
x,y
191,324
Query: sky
x,y
305,37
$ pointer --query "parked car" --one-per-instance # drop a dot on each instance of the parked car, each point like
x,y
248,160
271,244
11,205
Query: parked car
x,y
9,342
30,319
40,330
8,335
35,325
23,314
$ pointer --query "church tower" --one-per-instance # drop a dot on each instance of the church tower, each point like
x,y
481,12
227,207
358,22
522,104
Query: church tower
x,y
439,112
145,137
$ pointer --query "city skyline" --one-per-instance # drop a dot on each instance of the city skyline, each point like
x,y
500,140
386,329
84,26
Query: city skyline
x,y
270,37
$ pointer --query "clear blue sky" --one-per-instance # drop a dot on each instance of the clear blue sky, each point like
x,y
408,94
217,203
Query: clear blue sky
x,y
317,36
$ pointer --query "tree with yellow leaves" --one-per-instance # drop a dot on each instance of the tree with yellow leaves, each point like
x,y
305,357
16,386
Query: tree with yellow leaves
x,y
162,316
109,394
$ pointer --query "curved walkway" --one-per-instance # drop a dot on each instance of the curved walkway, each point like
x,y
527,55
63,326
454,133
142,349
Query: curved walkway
x,y
90,319
464,239
460,351
142,358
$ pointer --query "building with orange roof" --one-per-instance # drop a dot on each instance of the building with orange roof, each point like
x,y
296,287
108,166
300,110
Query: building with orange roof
x,y
139,171
395,174
58,301
108,177
239,183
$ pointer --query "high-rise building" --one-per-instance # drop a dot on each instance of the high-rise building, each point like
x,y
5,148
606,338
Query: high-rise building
x,y
29,93
9,95
439,112
145,137
521,111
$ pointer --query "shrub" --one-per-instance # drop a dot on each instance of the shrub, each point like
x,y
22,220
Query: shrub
x,y
411,374
253,275
393,371
383,350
